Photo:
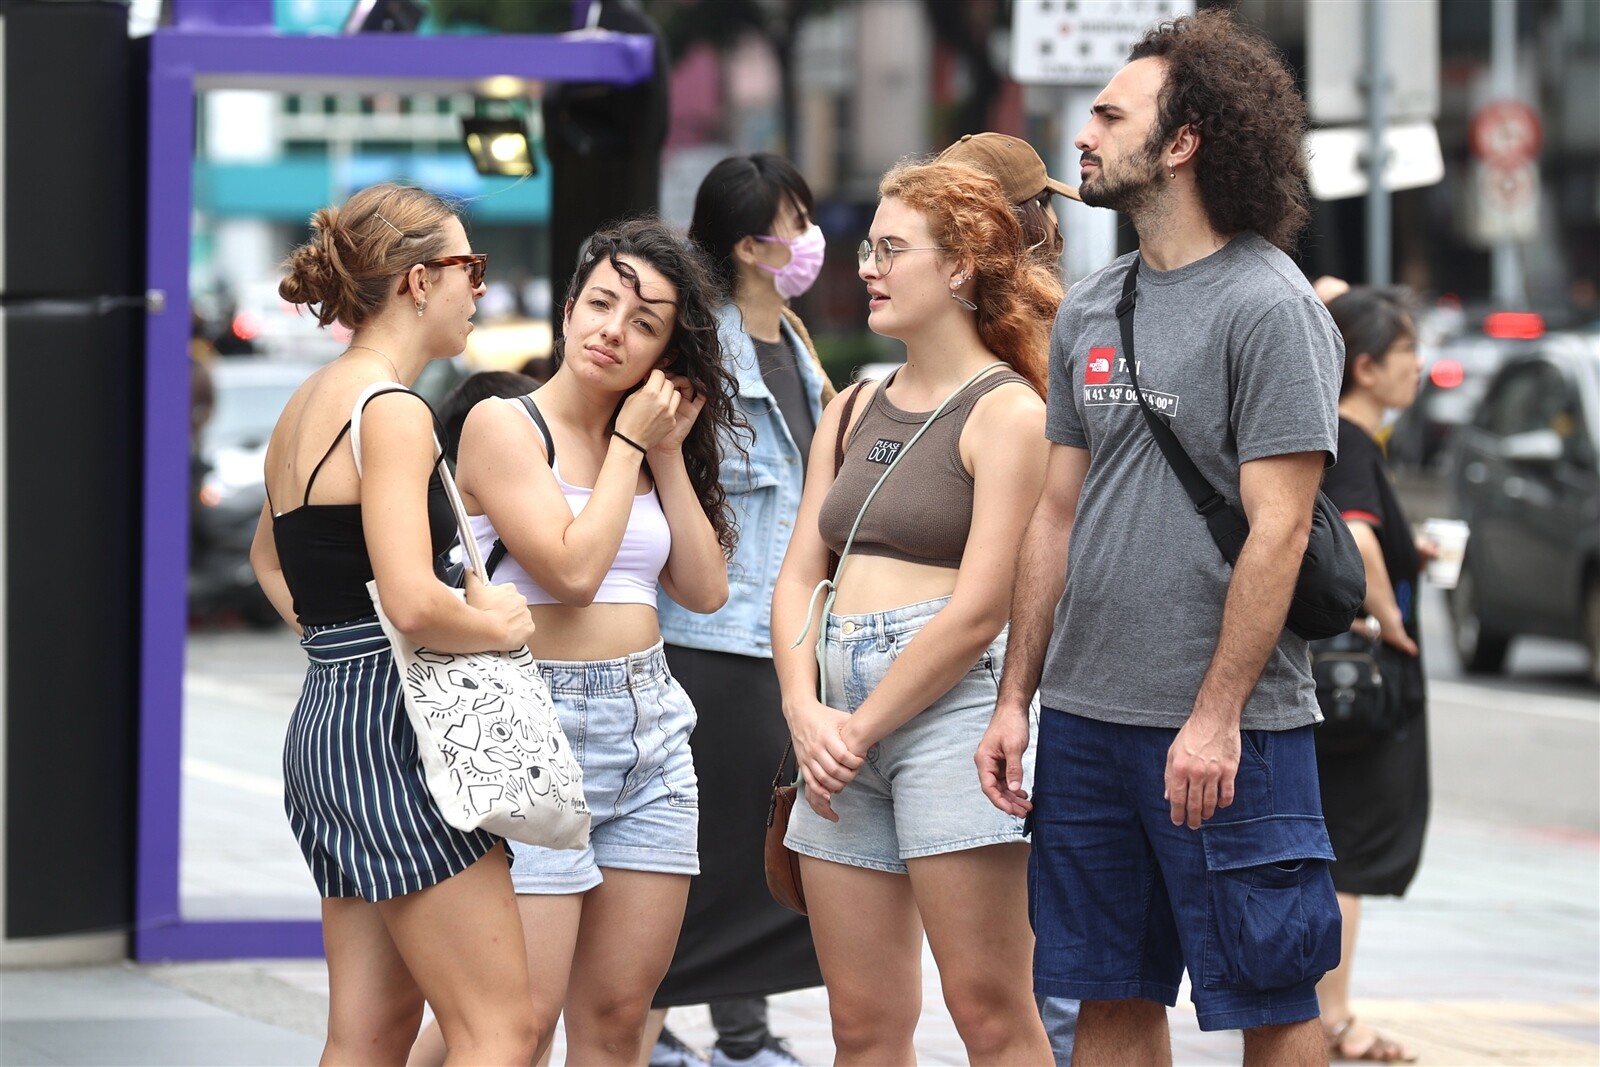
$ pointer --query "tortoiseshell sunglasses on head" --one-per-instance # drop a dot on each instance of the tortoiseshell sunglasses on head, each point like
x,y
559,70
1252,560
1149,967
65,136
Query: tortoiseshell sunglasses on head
x,y
477,263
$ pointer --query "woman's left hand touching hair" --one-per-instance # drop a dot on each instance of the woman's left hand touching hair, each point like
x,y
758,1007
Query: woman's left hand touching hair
x,y
689,407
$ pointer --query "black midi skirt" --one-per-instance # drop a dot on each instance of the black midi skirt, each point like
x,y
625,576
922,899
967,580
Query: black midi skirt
x,y
1375,801
736,942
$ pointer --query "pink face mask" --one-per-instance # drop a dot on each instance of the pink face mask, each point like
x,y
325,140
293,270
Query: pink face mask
x,y
805,261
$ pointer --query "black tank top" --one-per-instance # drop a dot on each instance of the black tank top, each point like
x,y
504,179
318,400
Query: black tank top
x,y
323,550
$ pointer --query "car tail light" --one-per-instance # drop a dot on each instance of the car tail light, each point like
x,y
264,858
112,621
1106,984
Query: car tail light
x,y
246,326
1514,326
1446,374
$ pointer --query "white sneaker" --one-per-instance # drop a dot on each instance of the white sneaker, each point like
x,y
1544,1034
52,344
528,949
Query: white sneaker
x,y
773,1053
671,1052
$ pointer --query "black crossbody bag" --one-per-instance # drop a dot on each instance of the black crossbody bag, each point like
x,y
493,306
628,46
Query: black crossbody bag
x,y
1333,581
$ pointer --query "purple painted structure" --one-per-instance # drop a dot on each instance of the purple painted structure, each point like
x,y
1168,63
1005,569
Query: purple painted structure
x,y
181,61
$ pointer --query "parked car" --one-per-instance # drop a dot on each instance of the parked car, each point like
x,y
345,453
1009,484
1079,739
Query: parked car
x,y
228,490
1458,362
1526,478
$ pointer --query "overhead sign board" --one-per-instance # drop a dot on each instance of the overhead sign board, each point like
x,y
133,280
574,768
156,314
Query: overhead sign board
x,y
1081,42
1336,59
1338,159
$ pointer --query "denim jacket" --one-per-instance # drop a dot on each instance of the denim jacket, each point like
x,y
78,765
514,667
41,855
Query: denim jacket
x,y
765,496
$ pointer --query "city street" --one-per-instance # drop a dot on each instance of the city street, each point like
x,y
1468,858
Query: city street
x,y
1494,957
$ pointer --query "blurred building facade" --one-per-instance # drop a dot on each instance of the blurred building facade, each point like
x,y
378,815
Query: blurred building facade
x,y
878,81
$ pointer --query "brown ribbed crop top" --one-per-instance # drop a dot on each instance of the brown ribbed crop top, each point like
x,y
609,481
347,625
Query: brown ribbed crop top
x,y
924,511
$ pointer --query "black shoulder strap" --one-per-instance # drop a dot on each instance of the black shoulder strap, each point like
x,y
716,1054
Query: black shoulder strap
x,y
1226,525
498,550
544,427
318,468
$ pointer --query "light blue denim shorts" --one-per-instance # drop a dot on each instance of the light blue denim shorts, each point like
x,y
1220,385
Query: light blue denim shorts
x,y
918,793
628,721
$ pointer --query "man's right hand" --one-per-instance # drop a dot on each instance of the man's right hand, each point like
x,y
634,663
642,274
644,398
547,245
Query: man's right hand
x,y
506,605
999,759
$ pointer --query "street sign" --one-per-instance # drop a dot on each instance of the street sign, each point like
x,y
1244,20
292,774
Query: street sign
x,y
1506,134
1081,42
1506,207
1337,159
1336,60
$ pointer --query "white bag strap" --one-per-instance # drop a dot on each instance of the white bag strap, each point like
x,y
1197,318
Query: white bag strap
x,y
463,527
831,584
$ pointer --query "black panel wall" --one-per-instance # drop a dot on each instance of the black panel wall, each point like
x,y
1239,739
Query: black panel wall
x,y
73,331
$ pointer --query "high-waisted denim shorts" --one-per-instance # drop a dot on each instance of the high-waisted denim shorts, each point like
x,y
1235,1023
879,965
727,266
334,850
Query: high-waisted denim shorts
x,y
628,722
918,793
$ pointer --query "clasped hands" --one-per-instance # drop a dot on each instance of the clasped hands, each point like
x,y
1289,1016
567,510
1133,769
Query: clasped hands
x,y
826,749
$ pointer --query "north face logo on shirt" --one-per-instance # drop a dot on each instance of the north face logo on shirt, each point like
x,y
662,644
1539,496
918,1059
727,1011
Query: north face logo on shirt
x,y
1098,370
883,451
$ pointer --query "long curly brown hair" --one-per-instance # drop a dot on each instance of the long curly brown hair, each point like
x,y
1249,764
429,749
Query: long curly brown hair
x,y
693,348
1233,87
968,215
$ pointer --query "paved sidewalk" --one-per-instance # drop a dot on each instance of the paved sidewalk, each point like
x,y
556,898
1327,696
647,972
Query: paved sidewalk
x,y
1494,958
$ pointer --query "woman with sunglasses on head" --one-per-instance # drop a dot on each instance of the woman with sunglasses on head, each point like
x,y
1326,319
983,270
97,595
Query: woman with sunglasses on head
x,y
896,837
752,218
602,486
1026,184
410,904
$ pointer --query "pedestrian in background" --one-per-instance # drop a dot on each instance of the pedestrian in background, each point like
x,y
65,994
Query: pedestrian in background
x,y
752,218
409,903
1177,818
621,495
895,836
1375,796
1024,181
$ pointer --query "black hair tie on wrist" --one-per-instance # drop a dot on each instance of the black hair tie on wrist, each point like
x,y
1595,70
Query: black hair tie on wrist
x,y
643,451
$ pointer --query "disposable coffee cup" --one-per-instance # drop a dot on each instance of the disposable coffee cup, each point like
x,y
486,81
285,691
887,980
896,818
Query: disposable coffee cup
x,y
1450,538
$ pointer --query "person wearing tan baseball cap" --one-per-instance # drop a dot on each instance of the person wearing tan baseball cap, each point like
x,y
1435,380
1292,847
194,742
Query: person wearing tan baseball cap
x,y
1022,175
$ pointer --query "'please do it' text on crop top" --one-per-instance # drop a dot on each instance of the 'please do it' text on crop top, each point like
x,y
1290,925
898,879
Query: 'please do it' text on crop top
x,y
633,574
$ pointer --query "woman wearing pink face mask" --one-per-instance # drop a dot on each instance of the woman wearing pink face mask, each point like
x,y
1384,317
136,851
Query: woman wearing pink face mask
x,y
752,218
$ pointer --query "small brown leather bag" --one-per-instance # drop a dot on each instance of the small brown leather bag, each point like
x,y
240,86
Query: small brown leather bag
x,y
783,865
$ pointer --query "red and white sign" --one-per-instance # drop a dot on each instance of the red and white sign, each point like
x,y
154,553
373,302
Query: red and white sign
x,y
1506,134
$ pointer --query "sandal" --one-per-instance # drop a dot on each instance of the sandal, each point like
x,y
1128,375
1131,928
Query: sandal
x,y
1379,1050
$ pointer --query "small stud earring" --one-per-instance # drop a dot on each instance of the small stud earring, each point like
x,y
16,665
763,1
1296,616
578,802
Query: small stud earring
x,y
1171,174
422,305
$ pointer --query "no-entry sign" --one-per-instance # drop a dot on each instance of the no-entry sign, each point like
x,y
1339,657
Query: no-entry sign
x,y
1506,134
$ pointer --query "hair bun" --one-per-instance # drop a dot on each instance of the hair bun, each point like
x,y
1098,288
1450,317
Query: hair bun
x,y
316,274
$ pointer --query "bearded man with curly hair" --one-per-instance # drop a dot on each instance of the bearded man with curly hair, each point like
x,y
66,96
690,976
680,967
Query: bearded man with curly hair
x,y
1177,823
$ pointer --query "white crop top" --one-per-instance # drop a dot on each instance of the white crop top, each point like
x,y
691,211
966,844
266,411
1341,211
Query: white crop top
x,y
633,574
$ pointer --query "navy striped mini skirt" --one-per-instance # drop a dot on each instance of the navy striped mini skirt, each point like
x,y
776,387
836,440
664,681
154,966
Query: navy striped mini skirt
x,y
352,781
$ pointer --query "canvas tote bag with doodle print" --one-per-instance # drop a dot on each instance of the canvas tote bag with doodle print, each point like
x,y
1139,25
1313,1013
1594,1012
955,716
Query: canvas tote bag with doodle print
x,y
492,749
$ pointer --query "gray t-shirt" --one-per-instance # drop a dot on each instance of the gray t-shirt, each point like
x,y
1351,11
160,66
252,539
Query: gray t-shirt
x,y
1242,354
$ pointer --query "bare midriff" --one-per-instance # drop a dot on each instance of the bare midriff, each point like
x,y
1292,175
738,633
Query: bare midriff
x,y
599,631
880,583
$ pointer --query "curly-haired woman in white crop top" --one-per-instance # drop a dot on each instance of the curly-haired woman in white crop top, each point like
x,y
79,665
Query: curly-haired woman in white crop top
x,y
622,497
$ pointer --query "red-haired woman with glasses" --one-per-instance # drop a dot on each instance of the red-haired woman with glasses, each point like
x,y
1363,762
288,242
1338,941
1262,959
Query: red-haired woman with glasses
x,y
897,838
410,903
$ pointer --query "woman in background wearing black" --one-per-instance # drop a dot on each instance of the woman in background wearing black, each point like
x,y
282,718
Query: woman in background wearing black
x,y
1375,795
